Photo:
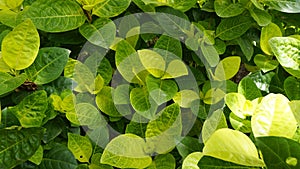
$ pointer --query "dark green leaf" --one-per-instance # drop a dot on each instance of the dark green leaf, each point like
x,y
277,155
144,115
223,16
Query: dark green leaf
x,y
249,89
292,88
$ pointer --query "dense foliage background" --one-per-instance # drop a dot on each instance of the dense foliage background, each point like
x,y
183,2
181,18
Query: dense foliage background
x,y
102,84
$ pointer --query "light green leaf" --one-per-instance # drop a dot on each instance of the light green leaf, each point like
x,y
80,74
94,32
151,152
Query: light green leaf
x,y
58,157
18,145
153,62
268,32
185,98
191,161
104,101
233,146
9,18
213,96
80,146
271,116
286,50
20,46
216,121
12,4
234,27
292,88
227,68
89,4
110,8
88,115
248,88
163,161
68,15
9,83
227,8
37,157
265,63
238,104
295,107
31,110
99,135
101,32
48,65
288,6
143,6
262,17
168,44
176,68
210,54
129,64
3,66
161,133
126,151
161,91
84,78
181,5
282,150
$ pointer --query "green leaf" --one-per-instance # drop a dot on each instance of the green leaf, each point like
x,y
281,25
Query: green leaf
x,y
232,146
68,15
216,121
262,17
99,135
208,162
9,83
286,50
137,125
168,44
227,68
176,68
279,152
110,8
191,161
31,110
9,18
58,157
227,8
295,107
181,5
126,151
188,145
48,65
161,133
265,63
153,62
163,161
292,88
249,89
37,157
105,70
84,78
143,6
246,47
288,6
240,124
101,32
80,146
18,145
185,98
161,91
53,129
271,116
234,27
88,4
104,101
210,54
20,47
268,32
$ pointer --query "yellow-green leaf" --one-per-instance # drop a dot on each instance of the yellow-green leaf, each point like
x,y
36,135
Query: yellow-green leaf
x,y
268,32
274,117
233,146
20,47
153,62
227,68
185,98
80,146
